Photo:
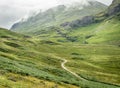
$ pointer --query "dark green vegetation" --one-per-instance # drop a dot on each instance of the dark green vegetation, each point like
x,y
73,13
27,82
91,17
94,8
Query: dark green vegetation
x,y
91,46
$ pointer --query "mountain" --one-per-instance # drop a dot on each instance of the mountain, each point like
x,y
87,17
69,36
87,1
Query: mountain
x,y
114,8
100,28
114,4
64,30
58,15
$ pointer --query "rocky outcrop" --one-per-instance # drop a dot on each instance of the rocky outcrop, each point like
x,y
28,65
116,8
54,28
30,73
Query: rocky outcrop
x,y
65,24
79,23
15,26
114,8
83,22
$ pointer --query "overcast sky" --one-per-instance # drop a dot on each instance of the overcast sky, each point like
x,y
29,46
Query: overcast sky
x,y
13,10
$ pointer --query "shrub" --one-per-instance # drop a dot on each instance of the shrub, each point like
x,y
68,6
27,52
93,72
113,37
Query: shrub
x,y
4,50
12,44
75,53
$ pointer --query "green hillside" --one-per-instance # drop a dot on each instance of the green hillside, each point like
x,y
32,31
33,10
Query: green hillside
x,y
81,53
25,58
106,32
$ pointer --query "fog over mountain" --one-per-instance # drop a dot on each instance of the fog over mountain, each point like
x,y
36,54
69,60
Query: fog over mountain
x,y
69,2
13,10
107,2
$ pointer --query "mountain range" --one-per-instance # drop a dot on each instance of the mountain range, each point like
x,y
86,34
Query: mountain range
x,y
63,23
58,15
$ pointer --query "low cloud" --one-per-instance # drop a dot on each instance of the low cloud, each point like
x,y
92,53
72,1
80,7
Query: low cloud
x,y
13,10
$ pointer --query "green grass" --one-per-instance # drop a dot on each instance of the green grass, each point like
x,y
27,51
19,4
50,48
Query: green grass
x,y
23,56
106,32
37,56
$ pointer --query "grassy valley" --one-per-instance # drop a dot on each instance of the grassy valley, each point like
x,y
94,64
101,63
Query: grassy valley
x,y
22,61
38,60
56,56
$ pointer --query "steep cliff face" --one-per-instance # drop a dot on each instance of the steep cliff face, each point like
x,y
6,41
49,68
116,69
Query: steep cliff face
x,y
114,8
114,3
80,22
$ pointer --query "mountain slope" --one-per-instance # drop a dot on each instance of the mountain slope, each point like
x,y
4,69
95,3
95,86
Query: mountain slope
x,y
18,65
104,31
114,8
37,63
102,28
57,15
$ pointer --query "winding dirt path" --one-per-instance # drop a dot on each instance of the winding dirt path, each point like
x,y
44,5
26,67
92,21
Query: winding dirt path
x,y
84,79
63,66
